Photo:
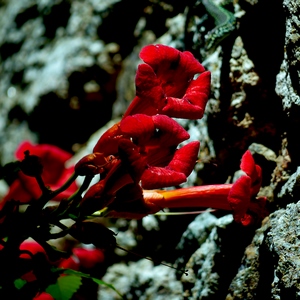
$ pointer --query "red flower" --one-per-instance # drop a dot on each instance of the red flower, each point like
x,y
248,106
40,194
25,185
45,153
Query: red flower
x,y
239,197
31,246
242,195
83,258
165,84
54,174
43,296
155,138
28,249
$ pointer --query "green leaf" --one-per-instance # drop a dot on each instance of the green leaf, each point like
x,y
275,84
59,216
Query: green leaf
x,y
65,287
96,280
19,283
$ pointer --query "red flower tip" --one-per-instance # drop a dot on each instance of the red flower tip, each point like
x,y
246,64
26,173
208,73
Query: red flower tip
x,y
140,127
239,198
83,258
242,196
70,263
89,258
43,296
31,246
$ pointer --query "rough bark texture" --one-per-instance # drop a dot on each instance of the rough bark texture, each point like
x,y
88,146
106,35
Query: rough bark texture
x,y
68,67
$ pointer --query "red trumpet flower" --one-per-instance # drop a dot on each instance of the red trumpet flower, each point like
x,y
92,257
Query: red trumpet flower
x,y
239,197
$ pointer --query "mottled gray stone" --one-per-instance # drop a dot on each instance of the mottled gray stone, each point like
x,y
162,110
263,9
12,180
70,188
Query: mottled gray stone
x,y
38,56
199,246
270,267
141,280
287,85
245,283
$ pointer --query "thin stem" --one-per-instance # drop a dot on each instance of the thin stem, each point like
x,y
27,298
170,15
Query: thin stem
x,y
153,260
41,184
181,213
84,186
65,185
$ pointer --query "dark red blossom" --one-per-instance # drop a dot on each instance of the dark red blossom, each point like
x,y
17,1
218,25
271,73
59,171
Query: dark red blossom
x,y
156,139
166,84
43,296
31,248
54,173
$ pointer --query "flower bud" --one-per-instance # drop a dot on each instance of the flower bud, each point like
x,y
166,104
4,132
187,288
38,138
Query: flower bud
x,y
31,165
89,232
92,164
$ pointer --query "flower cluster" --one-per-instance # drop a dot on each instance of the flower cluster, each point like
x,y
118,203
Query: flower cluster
x,y
135,158
141,153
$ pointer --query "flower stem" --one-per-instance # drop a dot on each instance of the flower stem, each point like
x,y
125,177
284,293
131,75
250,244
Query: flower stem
x,y
65,185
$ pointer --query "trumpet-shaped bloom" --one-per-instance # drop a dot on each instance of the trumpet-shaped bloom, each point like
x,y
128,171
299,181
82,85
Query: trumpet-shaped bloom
x,y
239,197
155,138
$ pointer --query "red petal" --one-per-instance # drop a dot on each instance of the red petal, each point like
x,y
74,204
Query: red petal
x,y
193,103
149,93
155,130
70,263
139,127
239,197
173,68
170,132
156,177
132,159
43,296
248,164
43,150
109,141
176,172
256,182
31,246
185,158
89,257
91,164
251,169
19,193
